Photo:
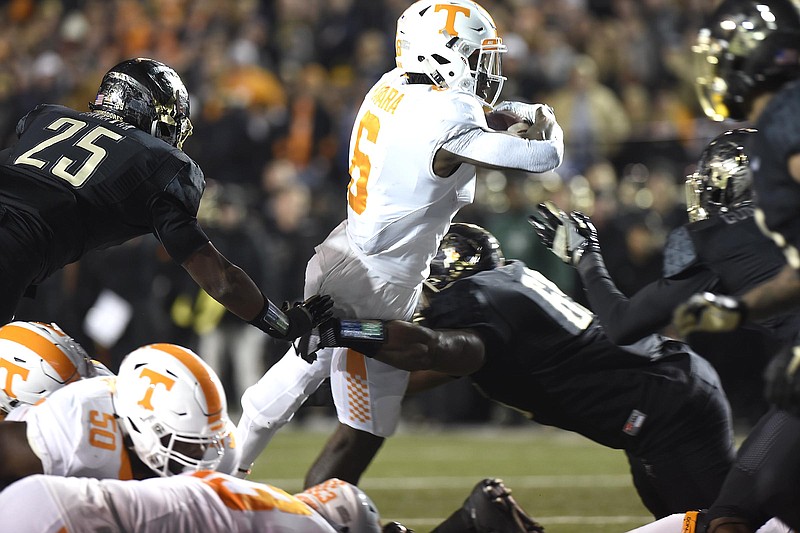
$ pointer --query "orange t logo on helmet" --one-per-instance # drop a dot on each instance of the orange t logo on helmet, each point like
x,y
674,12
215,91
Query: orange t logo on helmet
x,y
11,371
155,379
452,11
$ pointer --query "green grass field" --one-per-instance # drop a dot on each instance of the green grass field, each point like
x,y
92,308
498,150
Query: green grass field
x,y
566,482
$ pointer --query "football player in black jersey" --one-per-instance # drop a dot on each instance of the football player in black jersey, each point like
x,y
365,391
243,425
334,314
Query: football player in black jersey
x,y
749,59
80,181
721,249
526,344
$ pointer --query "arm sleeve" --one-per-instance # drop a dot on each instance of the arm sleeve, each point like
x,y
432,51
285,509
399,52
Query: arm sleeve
x,y
496,149
178,231
627,320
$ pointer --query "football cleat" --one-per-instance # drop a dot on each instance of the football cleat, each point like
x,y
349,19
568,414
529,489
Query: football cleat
x,y
492,509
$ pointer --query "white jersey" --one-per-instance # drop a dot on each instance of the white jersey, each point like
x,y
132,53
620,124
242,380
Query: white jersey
x,y
398,209
74,432
204,501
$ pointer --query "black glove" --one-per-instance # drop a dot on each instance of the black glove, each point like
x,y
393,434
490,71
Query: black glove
x,y
585,227
559,232
782,378
364,336
307,315
709,312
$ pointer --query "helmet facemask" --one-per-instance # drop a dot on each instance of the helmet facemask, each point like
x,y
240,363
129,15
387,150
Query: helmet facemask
x,y
170,453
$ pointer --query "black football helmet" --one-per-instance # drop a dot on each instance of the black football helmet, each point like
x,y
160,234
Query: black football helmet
x,y
465,250
723,179
149,95
747,47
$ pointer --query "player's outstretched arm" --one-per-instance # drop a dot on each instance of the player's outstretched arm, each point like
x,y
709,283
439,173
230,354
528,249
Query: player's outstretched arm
x,y
232,287
18,459
407,346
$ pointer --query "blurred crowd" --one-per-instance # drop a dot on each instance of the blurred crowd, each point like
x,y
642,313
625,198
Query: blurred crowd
x,y
274,86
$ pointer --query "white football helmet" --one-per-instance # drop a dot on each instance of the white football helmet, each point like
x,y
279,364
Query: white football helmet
x,y
37,359
173,407
453,42
344,506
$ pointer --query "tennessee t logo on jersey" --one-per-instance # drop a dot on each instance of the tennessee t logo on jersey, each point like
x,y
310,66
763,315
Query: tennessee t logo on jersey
x,y
452,11
155,380
11,371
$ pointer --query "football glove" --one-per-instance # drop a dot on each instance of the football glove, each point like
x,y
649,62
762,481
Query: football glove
x,y
541,117
782,378
709,312
563,235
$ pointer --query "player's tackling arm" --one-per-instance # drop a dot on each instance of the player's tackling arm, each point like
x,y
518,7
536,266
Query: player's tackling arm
x,y
413,347
17,459
232,287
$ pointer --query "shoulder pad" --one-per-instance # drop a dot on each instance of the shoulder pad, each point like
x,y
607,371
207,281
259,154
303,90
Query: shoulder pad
x,y
679,252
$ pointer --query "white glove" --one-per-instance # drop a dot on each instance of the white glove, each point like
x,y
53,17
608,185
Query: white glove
x,y
542,120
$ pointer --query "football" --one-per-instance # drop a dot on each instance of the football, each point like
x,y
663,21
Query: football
x,y
502,120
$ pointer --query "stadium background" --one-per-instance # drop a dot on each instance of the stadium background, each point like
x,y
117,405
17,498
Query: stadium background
x,y
274,86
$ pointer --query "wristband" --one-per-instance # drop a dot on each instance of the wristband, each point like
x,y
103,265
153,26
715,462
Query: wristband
x,y
271,320
364,336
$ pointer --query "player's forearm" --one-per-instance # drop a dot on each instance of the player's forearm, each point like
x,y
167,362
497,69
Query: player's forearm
x,y
413,347
501,150
778,295
606,301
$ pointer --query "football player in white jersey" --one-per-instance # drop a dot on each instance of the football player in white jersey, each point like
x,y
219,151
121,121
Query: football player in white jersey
x,y
166,406
217,503
35,360
417,140
200,501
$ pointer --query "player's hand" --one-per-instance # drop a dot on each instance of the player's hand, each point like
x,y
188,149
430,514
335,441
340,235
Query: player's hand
x,y
544,125
782,378
585,227
307,315
559,233
708,312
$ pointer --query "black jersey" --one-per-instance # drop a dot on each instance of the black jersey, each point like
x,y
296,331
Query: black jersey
x,y
547,356
83,181
777,193
726,254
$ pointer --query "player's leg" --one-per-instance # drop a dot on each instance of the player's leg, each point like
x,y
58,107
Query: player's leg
x,y
272,402
689,448
772,455
346,456
368,395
